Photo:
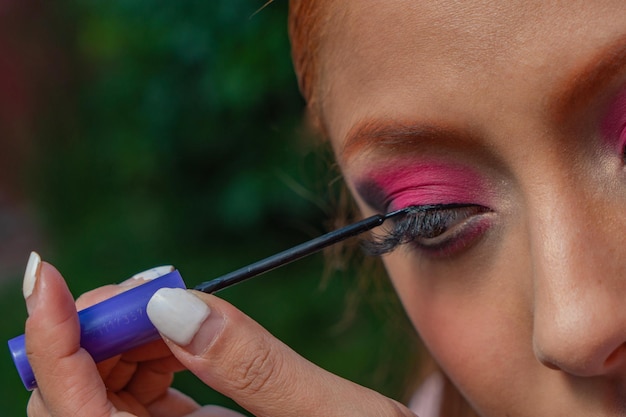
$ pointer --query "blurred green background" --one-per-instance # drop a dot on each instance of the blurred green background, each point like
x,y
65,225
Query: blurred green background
x,y
139,133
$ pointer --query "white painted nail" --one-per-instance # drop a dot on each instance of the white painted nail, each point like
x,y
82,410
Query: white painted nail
x,y
31,274
149,274
177,314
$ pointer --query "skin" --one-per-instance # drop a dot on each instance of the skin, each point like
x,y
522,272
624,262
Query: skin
x,y
231,353
526,317
532,309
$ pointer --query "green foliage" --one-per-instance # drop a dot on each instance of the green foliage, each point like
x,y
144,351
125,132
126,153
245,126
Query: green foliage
x,y
174,137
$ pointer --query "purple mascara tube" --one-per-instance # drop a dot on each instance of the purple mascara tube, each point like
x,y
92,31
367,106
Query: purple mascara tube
x,y
109,328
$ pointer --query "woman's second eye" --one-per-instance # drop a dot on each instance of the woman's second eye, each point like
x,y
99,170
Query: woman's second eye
x,y
437,230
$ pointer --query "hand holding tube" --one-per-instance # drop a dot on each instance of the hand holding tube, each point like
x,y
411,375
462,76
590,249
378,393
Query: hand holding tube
x,y
223,347
108,328
71,384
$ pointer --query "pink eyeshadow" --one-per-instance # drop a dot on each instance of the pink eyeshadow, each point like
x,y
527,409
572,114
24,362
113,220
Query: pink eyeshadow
x,y
613,127
410,184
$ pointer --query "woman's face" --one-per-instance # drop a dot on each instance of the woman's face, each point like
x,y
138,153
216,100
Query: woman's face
x,y
518,107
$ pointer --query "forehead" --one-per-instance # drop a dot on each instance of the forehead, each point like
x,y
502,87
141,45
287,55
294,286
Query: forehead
x,y
401,58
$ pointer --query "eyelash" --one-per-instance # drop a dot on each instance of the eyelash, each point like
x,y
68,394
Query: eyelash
x,y
426,228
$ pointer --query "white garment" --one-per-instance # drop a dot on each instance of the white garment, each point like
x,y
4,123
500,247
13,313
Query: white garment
x,y
426,402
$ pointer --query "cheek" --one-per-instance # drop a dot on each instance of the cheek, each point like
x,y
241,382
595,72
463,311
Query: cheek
x,y
475,326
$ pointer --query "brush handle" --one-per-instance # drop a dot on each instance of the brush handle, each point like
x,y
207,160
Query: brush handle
x,y
292,254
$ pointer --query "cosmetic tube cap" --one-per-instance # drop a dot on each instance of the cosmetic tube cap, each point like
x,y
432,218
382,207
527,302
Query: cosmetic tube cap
x,y
109,328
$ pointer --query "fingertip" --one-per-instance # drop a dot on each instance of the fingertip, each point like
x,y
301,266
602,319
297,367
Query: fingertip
x,y
180,316
50,301
31,274
52,329
51,313
62,369
231,352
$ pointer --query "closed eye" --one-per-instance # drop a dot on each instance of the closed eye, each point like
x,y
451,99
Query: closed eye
x,y
438,229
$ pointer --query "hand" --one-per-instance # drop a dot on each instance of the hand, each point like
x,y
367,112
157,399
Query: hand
x,y
237,357
70,384
225,349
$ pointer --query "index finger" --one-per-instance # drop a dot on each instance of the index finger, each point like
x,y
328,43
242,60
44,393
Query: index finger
x,y
236,356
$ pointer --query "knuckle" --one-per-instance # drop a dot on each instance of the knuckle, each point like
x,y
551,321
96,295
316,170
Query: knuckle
x,y
256,372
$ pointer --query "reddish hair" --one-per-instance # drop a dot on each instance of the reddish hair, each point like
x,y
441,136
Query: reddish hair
x,y
306,25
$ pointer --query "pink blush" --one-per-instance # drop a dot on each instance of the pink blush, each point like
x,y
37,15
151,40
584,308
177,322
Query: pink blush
x,y
613,127
428,183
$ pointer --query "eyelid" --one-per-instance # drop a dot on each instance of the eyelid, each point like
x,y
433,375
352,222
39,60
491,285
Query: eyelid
x,y
613,124
458,237
403,183
427,224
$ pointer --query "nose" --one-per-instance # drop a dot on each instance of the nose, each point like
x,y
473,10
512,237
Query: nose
x,y
579,285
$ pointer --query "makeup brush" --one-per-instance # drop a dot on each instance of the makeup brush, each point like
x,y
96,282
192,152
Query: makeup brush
x,y
120,323
297,252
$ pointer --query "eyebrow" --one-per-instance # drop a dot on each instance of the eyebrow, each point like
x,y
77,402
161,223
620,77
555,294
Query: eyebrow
x,y
398,137
582,85
585,82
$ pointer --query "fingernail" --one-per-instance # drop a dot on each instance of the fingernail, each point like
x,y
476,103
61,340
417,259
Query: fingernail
x,y
177,314
148,275
31,274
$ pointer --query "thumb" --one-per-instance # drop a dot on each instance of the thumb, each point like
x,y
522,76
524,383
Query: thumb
x,y
63,370
237,357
